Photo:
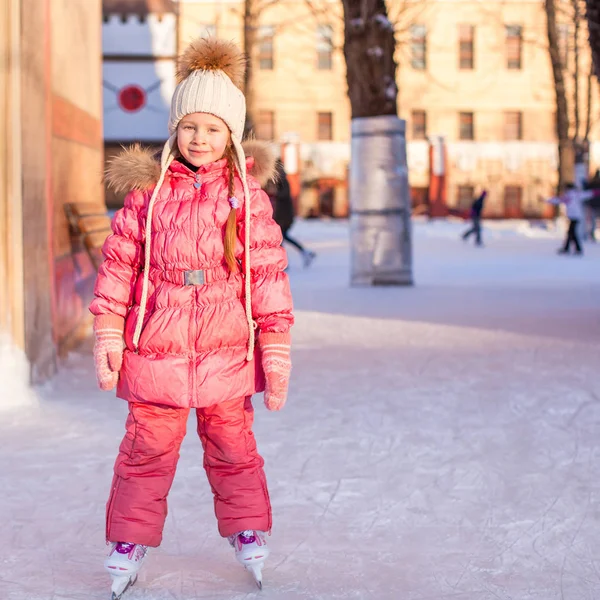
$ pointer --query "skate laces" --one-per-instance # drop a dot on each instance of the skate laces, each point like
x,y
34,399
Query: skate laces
x,y
247,537
129,547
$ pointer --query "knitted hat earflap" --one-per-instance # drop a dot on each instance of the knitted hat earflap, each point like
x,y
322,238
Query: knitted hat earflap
x,y
241,160
165,160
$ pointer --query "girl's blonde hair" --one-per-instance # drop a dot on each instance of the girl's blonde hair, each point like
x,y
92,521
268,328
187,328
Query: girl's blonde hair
x,y
231,226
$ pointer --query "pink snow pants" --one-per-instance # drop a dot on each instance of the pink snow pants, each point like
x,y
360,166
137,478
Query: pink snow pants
x,y
148,455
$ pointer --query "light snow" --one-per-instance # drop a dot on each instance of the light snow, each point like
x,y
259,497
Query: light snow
x,y
440,442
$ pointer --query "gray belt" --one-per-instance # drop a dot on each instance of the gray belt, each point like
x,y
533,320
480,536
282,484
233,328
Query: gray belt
x,y
194,277
197,277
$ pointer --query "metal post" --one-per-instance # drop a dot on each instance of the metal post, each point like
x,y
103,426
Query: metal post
x,y
380,203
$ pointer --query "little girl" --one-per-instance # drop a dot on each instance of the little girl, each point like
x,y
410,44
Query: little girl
x,y
193,271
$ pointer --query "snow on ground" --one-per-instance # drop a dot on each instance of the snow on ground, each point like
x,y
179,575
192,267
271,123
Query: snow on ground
x,y
14,376
440,442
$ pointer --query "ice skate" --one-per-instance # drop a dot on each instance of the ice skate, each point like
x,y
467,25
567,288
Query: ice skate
x,y
123,563
120,584
251,551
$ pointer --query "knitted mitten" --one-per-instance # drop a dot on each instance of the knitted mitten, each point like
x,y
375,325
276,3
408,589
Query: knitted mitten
x,y
277,365
108,349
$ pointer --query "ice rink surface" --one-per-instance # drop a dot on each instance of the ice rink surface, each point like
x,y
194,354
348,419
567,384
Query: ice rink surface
x,y
440,442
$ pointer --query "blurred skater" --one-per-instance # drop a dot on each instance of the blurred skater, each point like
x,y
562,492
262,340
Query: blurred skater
x,y
593,203
573,199
283,211
476,210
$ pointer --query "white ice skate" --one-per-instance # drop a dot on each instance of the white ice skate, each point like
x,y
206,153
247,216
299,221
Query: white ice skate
x,y
251,551
123,563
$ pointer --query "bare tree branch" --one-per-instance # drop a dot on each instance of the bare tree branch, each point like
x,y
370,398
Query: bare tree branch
x,y
593,17
588,113
562,108
576,20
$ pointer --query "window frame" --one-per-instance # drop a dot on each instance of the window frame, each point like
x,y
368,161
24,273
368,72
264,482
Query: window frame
x,y
514,35
510,127
466,47
462,125
515,210
260,123
324,47
266,48
418,47
321,125
464,201
418,127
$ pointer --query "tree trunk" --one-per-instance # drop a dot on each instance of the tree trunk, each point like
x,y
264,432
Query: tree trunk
x,y
369,46
593,16
380,228
250,37
565,149
577,23
588,105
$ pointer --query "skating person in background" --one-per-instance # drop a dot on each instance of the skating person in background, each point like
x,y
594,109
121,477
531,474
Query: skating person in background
x,y
573,199
593,203
193,271
476,210
283,211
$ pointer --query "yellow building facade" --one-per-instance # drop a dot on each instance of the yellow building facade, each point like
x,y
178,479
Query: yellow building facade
x,y
475,73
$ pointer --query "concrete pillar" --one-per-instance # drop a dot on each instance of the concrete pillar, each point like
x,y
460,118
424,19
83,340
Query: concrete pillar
x,y
379,203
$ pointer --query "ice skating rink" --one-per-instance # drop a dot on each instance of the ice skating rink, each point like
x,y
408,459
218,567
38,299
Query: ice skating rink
x,y
439,443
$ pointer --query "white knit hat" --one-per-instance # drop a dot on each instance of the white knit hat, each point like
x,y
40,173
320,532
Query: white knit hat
x,y
210,75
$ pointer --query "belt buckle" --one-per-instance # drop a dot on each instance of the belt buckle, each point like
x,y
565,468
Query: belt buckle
x,y
194,277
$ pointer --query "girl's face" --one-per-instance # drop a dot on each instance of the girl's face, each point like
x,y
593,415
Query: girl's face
x,y
202,138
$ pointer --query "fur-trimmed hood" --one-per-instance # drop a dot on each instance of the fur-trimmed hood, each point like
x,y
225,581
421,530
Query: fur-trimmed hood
x,y
138,168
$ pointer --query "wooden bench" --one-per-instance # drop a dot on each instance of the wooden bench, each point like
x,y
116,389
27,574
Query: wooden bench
x,y
90,225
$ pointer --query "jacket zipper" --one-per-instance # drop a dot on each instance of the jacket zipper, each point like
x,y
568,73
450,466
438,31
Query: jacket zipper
x,y
109,510
194,211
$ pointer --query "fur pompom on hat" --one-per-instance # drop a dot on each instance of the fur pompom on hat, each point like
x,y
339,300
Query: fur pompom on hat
x,y
212,54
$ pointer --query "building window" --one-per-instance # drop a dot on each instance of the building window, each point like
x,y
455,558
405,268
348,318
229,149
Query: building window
x,y
563,44
266,34
466,46
324,47
513,125
265,125
464,197
514,46
325,126
513,196
466,126
418,47
207,31
419,125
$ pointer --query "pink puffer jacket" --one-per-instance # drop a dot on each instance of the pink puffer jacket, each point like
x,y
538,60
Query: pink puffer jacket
x,y
192,350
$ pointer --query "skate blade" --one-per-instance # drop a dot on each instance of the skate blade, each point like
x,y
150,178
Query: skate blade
x,y
256,572
121,585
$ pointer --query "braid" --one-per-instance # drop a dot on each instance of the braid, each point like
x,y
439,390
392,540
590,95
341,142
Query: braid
x,y
231,226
